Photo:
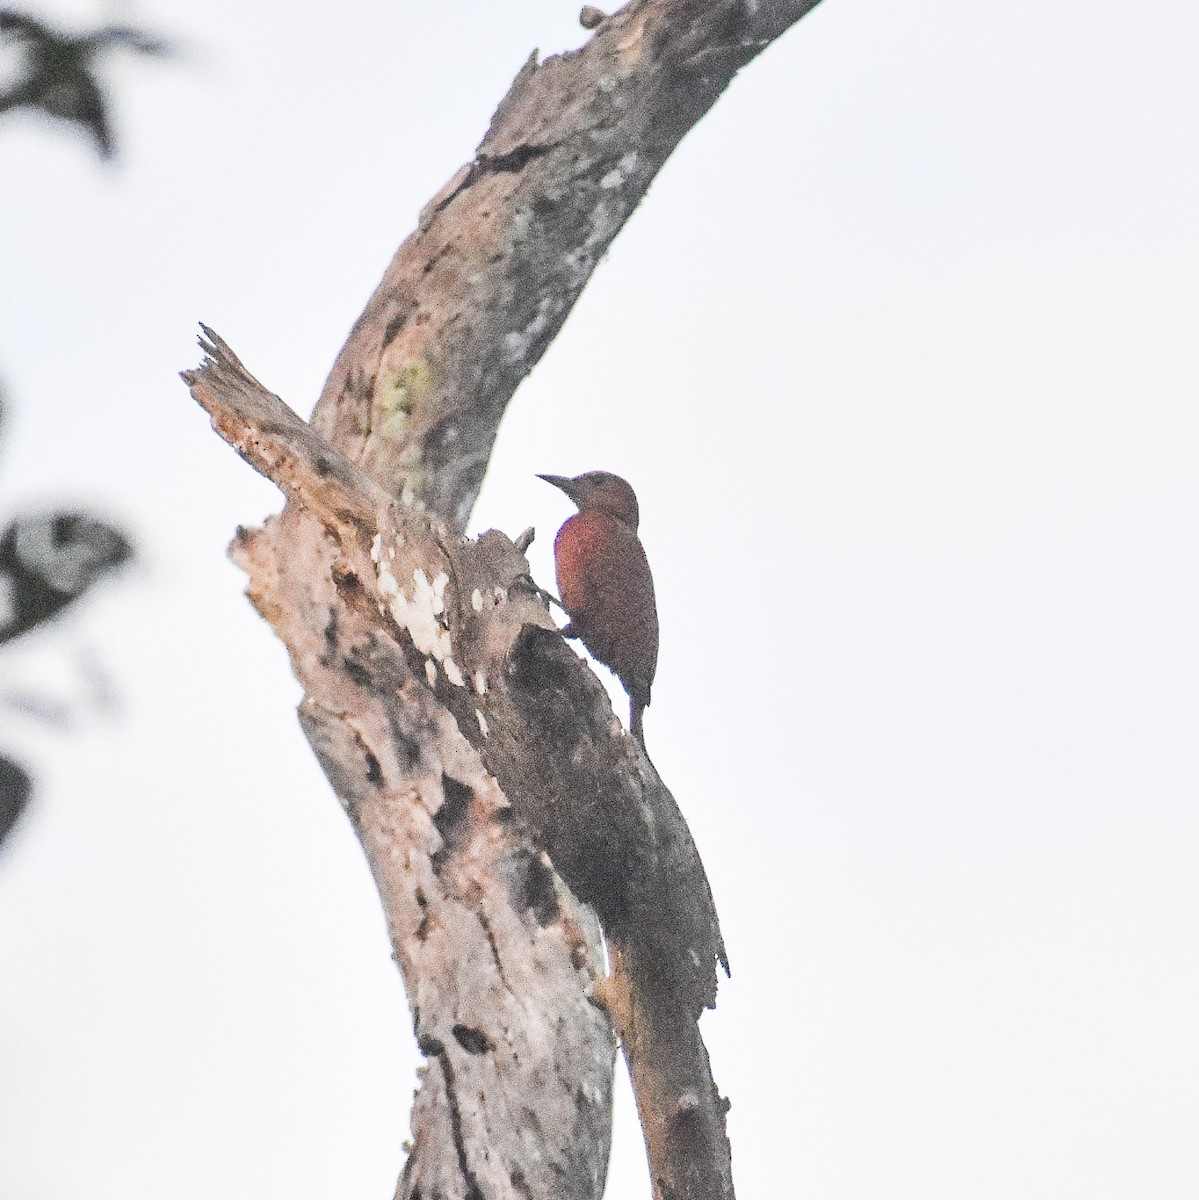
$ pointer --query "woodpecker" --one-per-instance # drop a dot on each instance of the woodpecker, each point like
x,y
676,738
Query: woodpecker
x,y
605,583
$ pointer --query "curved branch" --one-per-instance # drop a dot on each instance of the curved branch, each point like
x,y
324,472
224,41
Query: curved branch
x,y
495,952
474,751
431,667
472,299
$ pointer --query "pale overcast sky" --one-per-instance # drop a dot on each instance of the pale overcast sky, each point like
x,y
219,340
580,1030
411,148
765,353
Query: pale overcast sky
x,y
901,356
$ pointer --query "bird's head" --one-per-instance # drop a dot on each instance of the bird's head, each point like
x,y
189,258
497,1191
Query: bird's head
x,y
600,491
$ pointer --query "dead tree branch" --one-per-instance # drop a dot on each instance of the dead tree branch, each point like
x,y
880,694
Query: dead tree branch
x,y
472,299
475,753
496,955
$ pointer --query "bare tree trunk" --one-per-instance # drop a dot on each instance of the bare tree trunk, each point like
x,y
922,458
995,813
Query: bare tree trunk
x,y
496,798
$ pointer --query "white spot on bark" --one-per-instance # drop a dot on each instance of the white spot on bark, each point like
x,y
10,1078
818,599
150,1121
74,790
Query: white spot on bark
x,y
408,495
388,584
607,215
476,600
501,594
376,547
452,673
518,343
439,585
481,682
391,552
419,615
620,172
482,723
431,672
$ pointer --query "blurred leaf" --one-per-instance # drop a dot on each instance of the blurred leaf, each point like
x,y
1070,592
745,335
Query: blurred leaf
x,y
49,561
15,786
58,72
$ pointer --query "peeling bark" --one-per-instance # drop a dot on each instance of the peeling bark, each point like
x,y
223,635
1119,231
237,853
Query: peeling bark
x,y
497,799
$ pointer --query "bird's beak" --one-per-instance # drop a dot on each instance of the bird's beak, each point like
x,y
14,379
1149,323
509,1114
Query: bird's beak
x,y
559,481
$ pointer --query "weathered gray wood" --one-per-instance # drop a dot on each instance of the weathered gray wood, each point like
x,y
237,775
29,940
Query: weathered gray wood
x,y
497,956
476,755
474,296
417,649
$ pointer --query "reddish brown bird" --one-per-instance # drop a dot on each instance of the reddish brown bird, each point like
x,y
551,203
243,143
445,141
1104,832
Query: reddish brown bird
x,y
605,584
